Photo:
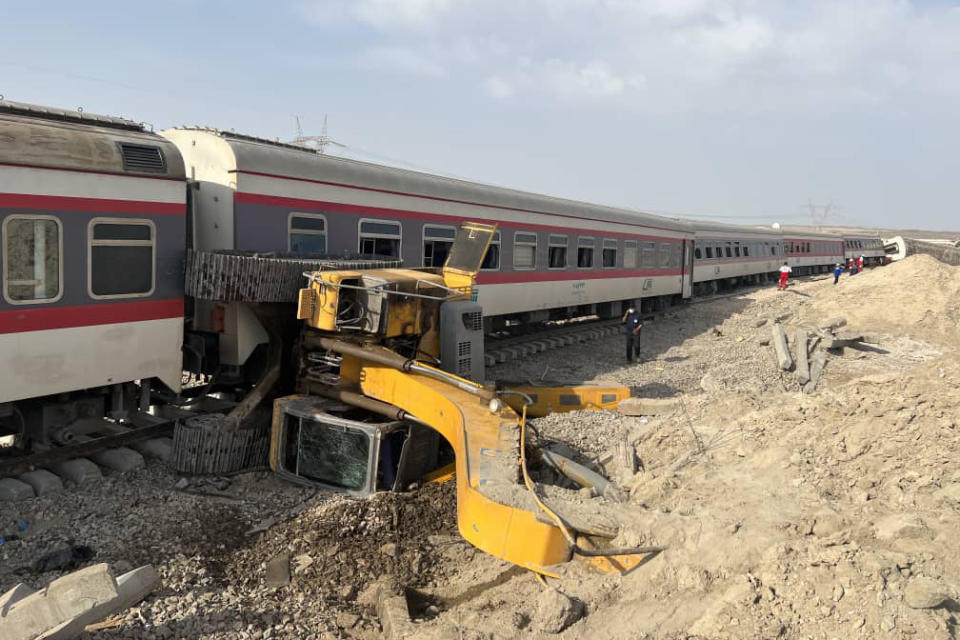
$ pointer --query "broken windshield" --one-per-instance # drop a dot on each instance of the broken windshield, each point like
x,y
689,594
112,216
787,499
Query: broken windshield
x,y
333,455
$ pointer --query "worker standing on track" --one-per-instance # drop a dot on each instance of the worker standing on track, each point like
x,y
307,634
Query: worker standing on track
x,y
853,267
785,272
837,272
860,263
633,320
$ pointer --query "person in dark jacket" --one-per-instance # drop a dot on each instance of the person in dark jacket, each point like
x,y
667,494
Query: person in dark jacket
x,y
837,272
633,320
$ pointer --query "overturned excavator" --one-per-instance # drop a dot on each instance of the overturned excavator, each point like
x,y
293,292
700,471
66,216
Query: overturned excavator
x,y
390,362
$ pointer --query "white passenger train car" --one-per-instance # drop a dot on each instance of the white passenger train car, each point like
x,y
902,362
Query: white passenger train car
x,y
731,254
551,258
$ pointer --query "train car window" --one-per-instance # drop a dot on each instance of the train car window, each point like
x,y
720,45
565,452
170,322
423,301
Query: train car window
x,y
709,251
736,249
491,261
307,233
727,251
32,270
557,252
585,253
380,238
524,250
746,250
630,254
648,254
436,244
697,253
664,260
608,255
121,258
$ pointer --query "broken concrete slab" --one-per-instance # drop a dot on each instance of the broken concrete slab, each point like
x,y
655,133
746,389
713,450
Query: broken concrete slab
x,y
12,489
784,359
394,615
803,363
156,448
61,601
278,571
132,587
42,481
17,593
120,459
78,471
647,406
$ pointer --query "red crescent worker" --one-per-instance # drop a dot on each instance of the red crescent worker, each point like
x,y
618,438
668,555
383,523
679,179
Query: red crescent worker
x,y
785,271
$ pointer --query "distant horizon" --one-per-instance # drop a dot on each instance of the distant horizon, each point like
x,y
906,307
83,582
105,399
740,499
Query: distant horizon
x,y
724,110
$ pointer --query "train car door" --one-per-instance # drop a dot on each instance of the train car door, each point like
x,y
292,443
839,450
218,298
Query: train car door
x,y
686,272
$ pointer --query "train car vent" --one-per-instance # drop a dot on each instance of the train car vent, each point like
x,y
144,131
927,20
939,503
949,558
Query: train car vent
x,y
463,348
138,157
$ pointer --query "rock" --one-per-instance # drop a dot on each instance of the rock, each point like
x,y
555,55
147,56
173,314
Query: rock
x,y
394,615
157,448
950,494
11,490
278,571
389,549
78,471
759,323
301,563
827,523
710,384
889,623
347,620
555,611
803,363
901,526
182,483
42,481
925,593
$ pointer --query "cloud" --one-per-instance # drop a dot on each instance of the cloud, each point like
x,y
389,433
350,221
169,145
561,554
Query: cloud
x,y
664,55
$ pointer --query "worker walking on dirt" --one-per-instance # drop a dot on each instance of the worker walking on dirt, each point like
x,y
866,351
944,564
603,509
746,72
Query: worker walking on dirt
x,y
633,320
785,272
837,272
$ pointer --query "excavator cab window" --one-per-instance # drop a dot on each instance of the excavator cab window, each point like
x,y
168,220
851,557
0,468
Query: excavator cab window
x,y
469,247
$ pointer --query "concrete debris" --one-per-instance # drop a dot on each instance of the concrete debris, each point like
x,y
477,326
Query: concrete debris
x,y
61,601
816,370
120,459
647,406
79,471
833,323
555,611
12,596
42,481
784,359
132,587
12,489
803,364
394,615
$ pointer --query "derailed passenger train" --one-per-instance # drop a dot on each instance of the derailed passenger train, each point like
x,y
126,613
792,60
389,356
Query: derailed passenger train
x,y
98,212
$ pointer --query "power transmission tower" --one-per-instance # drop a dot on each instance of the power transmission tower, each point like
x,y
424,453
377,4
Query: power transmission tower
x,y
319,143
819,213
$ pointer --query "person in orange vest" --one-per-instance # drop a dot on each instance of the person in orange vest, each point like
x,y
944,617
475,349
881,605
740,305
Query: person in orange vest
x,y
860,263
785,272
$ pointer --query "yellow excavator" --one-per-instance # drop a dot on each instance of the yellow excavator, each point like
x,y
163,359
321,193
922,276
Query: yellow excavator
x,y
390,359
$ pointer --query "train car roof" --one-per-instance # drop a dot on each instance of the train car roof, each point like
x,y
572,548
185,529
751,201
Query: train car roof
x,y
303,163
61,139
801,232
720,227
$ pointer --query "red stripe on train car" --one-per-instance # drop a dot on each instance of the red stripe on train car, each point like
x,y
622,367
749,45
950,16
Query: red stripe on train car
x,y
43,318
96,205
512,277
299,203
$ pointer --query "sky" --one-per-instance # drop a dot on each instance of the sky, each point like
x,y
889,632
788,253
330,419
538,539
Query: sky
x,y
742,111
